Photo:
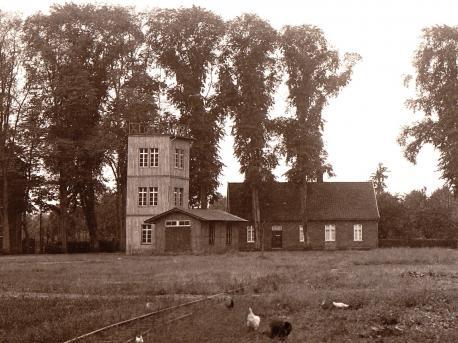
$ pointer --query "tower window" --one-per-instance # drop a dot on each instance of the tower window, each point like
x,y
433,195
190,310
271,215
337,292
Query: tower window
x,y
142,194
179,158
143,162
153,196
178,196
154,157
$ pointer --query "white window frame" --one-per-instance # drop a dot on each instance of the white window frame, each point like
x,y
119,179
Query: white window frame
x,y
154,157
179,158
178,196
143,158
153,196
177,223
330,233
147,234
358,232
301,234
142,196
250,234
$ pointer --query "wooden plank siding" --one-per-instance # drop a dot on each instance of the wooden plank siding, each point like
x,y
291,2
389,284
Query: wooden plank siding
x,y
165,177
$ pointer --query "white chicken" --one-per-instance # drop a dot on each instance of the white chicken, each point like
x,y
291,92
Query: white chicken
x,y
340,305
139,339
252,320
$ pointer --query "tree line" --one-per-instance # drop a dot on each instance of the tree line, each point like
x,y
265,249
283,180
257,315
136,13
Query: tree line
x,y
79,74
73,79
415,215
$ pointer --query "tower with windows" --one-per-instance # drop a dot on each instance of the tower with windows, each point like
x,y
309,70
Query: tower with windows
x,y
157,180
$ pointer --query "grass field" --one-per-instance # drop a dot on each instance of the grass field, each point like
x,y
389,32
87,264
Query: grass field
x,y
395,295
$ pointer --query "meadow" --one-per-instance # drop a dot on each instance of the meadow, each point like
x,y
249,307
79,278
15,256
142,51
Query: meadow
x,y
395,295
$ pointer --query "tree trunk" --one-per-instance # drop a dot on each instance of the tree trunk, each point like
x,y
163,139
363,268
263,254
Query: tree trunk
x,y
304,214
256,216
121,191
6,246
63,214
88,202
203,197
40,224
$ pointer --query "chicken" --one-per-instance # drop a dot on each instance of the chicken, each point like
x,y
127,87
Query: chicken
x,y
280,329
252,320
229,302
139,339
340,305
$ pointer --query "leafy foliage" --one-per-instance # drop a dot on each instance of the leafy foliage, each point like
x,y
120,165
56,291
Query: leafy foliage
x,y
71,52
378,178
418,216
437,98
248,78
185,43
314,75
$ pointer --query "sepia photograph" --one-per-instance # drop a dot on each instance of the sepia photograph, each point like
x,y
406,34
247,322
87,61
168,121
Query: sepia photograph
x,y
198,171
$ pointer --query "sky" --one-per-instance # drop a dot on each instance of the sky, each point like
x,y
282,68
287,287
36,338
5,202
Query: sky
x,y
365,119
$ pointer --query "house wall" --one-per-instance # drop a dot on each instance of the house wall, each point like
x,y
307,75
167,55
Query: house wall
x,y
290,235
134,244
199,235
165,176
220,238
160,231
344,235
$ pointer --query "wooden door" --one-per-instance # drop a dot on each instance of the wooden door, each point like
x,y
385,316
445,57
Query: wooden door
x,y
277,237
178,238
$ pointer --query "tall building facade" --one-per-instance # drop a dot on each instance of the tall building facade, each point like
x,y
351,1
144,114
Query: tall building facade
x,y
157,181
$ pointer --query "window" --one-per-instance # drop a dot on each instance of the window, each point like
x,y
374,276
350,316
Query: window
x,y
176,223
301,234
147,234
178,196
143,162
357,232
211,233
250,234
142,194
154,157
179,158
329,233
153,196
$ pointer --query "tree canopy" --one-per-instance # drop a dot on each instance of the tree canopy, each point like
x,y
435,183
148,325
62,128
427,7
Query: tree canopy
x,y
436,84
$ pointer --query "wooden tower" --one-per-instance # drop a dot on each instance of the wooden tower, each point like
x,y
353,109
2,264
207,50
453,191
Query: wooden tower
x,y
157,180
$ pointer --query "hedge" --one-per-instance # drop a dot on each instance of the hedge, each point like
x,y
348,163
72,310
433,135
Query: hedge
x,y
417,243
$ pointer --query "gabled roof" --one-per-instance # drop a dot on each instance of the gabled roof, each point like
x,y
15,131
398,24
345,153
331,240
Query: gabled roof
x,y
200,214
281,201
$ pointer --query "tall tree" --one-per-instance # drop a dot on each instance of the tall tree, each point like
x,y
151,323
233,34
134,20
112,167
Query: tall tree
x,y
132,97
378,178
315,74
185,43
436,98
71,52
248,79
12,97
